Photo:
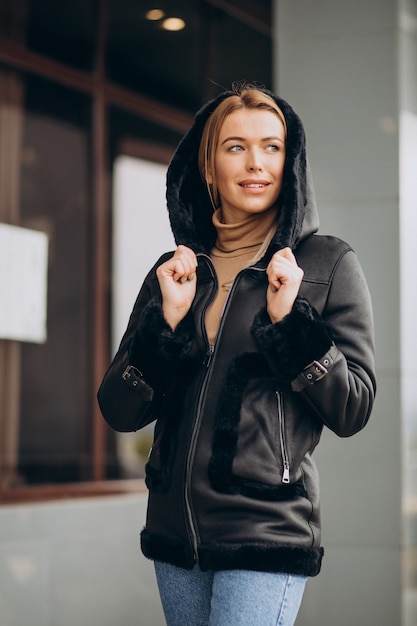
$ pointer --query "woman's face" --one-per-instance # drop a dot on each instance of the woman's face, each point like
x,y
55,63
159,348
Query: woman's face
x,y
249,163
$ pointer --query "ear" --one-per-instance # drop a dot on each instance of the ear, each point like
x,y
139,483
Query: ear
x,y
208,176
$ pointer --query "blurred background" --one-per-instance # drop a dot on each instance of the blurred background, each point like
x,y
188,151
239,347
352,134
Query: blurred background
x,y
94,97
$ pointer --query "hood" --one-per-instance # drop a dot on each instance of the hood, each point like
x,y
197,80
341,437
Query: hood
x,y
189,207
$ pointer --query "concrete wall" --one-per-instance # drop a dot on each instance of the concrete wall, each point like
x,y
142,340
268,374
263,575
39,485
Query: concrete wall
x,y
341,65
408,273
76,562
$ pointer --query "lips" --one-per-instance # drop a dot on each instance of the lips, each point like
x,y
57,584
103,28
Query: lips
x,y
254,184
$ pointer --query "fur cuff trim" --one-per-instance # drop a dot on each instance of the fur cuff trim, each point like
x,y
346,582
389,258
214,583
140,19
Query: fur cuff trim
x,y
294,342
155,346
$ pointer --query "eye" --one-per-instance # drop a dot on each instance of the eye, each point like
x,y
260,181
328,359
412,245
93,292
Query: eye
x,y
235,148
273,147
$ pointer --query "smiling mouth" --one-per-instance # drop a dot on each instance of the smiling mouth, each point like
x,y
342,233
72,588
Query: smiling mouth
x,y
254,185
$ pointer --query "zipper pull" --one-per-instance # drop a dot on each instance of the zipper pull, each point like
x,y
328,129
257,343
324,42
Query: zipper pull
x,y
286,473
209,354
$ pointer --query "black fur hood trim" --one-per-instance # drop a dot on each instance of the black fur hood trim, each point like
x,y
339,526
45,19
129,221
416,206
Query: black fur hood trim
x,y
189,207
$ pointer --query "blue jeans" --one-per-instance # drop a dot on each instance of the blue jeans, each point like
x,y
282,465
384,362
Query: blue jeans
x,y
228,598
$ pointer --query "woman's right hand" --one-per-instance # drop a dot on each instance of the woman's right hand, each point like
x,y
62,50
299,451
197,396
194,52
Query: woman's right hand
x,y
177,280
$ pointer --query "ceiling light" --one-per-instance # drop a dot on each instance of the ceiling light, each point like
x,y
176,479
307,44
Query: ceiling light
x,y
173,23
155,14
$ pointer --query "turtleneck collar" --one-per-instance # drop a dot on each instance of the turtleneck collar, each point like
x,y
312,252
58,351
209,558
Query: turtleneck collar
x,y
248,233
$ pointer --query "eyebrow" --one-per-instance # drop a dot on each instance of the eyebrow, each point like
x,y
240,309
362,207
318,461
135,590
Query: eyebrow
x,y
272,138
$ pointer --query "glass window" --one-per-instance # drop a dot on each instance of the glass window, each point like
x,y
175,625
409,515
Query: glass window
x,y
140,152
213,50
126,127
143,56
55,197
50,430
241,53
64,31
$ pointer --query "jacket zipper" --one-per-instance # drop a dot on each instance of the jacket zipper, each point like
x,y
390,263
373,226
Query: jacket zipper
x,y
207,362
191,452
209,355
282,440
190,458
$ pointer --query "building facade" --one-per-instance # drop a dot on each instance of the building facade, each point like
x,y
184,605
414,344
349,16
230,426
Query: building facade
x,y
94,96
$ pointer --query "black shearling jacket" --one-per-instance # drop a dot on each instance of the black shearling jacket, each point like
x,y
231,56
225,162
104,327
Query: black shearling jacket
x,y
231,476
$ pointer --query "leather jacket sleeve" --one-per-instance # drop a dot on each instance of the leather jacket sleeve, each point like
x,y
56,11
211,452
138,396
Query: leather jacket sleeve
x,y
140,371
328,358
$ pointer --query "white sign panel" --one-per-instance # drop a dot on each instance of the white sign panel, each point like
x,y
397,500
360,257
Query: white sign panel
x,y
23,284
141,232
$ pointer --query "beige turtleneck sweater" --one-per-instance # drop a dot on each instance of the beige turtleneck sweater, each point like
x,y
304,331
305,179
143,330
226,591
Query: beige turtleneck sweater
x,y
235,246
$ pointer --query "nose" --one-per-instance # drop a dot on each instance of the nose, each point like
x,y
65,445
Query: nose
x,y
254,161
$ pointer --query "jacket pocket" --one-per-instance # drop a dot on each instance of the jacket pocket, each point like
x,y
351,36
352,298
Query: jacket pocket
x,y
250,454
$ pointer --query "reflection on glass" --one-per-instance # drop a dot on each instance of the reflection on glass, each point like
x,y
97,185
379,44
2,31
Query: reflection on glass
x,y
55,198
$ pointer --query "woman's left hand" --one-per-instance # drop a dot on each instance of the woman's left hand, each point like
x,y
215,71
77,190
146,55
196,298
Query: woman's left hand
x,y
284,276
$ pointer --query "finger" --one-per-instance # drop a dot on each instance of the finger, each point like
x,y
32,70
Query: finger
x,y
185,252
187,258
186,277
276,269
184,270
180,271
286,253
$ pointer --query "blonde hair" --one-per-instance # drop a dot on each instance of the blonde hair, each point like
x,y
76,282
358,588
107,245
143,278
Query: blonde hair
x,y
245,97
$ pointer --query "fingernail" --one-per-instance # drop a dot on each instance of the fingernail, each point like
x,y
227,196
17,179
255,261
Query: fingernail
x,y
183,279
191,276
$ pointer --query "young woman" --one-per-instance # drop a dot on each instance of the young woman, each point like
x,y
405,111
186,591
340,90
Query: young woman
x,y
242,344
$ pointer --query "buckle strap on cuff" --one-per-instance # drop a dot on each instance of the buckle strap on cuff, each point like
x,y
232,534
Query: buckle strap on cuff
x,y
132,376
315,371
